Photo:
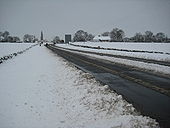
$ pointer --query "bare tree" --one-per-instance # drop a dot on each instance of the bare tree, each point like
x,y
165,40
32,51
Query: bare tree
x,y
80,36
148,36
1,37
56,39
139,37
29,38
105,33
5,36
117,35
89,37
160,37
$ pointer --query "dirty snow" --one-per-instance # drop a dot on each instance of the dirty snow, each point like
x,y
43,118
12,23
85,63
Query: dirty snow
x,y
39,89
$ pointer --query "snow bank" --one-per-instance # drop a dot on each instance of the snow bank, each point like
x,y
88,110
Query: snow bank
x,y
40,89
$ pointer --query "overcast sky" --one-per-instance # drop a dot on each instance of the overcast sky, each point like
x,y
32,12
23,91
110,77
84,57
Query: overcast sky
x,y
58,17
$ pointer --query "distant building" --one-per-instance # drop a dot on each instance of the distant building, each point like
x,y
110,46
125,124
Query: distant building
x,y
100,38
67,38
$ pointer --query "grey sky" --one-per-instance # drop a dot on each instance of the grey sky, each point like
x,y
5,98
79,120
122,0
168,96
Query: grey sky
x,y
57,17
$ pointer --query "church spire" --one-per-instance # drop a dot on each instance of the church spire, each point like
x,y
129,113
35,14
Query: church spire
x,y
41,36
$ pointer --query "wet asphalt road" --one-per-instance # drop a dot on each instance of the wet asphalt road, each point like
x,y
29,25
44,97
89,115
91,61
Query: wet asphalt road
x,y
128,82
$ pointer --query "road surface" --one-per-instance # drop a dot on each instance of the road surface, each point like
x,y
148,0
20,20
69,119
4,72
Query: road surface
x,y
149,93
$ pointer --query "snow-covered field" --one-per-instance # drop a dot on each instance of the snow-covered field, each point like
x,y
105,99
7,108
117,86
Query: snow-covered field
x,y
38,89
163,48
160,47
9,48
142,65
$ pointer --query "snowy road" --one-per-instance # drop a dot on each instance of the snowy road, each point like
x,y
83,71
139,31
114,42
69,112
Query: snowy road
x,y
89,51
154,62
38,89
127,81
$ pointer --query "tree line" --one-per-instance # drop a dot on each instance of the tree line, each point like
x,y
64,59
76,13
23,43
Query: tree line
x,y
6,37
148,36
118,35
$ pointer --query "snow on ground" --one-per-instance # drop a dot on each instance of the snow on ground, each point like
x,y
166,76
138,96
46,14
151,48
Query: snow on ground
x,y
9,48
160,47
39,89
142,65
156,47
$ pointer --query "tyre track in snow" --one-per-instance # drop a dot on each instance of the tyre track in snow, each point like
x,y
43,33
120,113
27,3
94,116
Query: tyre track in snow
x,y
153,101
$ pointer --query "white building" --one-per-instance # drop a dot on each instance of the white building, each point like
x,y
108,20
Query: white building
x,y
100,38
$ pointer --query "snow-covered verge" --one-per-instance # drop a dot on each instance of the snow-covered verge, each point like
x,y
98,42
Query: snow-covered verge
x,y
39,89
155,51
